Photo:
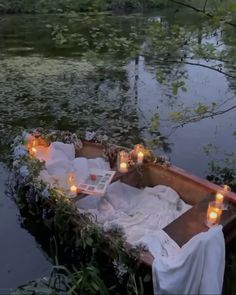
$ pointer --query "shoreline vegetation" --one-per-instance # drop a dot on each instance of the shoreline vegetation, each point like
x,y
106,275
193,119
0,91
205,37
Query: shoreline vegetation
x,y
61,6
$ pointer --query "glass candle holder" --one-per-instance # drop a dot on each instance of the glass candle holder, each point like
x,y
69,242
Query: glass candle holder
x,y
214,212
219,198
123,161
139,151
225,189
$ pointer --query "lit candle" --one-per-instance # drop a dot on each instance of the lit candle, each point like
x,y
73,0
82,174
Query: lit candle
x,y
123,161
212,217
213,213
73,190
71,179
123,167
140,157
219,198
139,153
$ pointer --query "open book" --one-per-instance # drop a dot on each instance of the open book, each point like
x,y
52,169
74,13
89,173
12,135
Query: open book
x,y
97,182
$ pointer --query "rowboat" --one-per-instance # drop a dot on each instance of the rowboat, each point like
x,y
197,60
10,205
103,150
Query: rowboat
x,y
192,189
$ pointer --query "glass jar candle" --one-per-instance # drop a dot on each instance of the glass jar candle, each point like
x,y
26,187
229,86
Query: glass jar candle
x,y
123,162
214,212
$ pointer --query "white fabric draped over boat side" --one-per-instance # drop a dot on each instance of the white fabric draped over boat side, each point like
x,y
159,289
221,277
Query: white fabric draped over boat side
x,y
196,268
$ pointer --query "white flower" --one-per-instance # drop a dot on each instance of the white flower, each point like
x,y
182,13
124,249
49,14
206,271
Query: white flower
x,y
89,135
25,135
120,268
20,151
24,172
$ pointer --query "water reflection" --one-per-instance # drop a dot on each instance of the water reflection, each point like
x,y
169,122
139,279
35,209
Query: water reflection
x,y
120,82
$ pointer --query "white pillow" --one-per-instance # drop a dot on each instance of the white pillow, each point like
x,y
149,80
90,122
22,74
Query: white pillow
x,y
67,149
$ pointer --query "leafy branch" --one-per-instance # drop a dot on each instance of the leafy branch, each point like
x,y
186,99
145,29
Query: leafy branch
x,y
199,117
202,11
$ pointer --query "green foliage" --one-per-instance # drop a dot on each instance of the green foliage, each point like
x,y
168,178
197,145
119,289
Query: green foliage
x,y
177,117
201,109
178,85
87,281
230,274
221,166
155,123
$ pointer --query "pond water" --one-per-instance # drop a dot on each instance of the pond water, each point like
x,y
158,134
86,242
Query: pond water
x,y
91,80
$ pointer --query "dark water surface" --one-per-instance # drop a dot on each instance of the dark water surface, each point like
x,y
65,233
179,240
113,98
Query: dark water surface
x,y
20,257
49,83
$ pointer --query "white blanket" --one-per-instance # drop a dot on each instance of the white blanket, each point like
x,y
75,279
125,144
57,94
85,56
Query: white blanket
x,y
138,211
196,268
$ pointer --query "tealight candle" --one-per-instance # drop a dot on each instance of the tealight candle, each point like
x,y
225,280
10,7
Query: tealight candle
x,y
123,167
219,198
140,157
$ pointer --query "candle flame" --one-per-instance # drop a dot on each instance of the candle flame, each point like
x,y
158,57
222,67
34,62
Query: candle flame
x,y
140,154
73,189
213,215
34,150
